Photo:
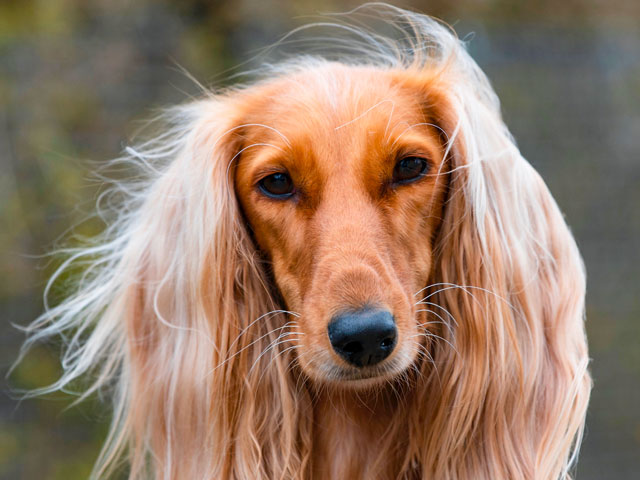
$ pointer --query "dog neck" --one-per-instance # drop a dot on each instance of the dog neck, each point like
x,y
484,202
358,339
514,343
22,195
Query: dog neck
x,y
359,433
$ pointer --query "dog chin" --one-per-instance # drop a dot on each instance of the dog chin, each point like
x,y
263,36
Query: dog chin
x,y
361,378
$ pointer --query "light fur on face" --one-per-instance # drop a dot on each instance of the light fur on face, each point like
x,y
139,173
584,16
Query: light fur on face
x,y
203,308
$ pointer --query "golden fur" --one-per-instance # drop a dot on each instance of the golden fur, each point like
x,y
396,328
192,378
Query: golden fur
x,y
206,304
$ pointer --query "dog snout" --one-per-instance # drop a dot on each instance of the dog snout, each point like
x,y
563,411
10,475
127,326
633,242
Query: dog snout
x,y
364,337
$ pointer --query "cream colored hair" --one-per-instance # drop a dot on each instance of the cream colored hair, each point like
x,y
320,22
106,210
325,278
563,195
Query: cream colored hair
x,y
173,314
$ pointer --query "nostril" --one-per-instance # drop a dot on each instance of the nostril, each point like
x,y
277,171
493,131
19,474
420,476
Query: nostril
x,y
387,342
363,338
352,347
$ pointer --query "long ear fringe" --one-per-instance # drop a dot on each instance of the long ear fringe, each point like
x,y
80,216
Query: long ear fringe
x,y
512,382
170,310
170,316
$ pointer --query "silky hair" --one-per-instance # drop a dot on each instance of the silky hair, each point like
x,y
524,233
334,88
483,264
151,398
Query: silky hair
x,y
175,318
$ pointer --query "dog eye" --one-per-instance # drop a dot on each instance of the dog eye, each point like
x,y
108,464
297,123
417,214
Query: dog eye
x,y
277,185
409,169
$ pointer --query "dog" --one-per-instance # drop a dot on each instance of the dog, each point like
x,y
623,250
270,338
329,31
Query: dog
x,y
344,269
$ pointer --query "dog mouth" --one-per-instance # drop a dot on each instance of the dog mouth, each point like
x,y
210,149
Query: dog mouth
x,y
350,375
362,376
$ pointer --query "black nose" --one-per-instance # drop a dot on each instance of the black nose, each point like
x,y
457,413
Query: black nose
x,y
363,338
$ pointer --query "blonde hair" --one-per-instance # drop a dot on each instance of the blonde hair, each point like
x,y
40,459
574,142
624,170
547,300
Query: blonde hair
x,y
173,310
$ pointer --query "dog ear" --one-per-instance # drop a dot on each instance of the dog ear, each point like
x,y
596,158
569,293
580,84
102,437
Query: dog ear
x,y
509,386
204,350
197,286
175,312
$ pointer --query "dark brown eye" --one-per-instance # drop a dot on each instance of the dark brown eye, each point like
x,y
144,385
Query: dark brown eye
x,y
277,185
409,169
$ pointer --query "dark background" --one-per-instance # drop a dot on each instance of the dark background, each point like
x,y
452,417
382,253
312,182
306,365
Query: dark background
x,y
76,78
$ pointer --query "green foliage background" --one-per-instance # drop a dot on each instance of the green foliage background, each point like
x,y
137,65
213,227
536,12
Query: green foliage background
x,y
77,76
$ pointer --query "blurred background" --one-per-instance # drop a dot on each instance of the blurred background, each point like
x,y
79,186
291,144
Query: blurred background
x,y
78,76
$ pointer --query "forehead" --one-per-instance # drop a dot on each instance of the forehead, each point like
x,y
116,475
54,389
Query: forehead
x,y
337,108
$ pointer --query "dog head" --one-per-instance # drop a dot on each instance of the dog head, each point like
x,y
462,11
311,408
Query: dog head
x,y
342,179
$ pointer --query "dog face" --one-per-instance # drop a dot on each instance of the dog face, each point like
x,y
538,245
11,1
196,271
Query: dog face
x,y
340,178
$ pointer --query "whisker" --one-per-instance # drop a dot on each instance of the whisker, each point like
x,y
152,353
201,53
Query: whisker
x,y
247,147
278,341
363,113
272,312
248,346
275,130
393,108
422,350
442,308
279,354
417,125
428,334
442,321
451,286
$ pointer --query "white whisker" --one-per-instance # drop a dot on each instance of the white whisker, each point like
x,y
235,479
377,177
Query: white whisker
x,y
364,113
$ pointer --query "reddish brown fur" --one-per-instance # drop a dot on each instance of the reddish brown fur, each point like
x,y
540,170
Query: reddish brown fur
x,y
350,238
